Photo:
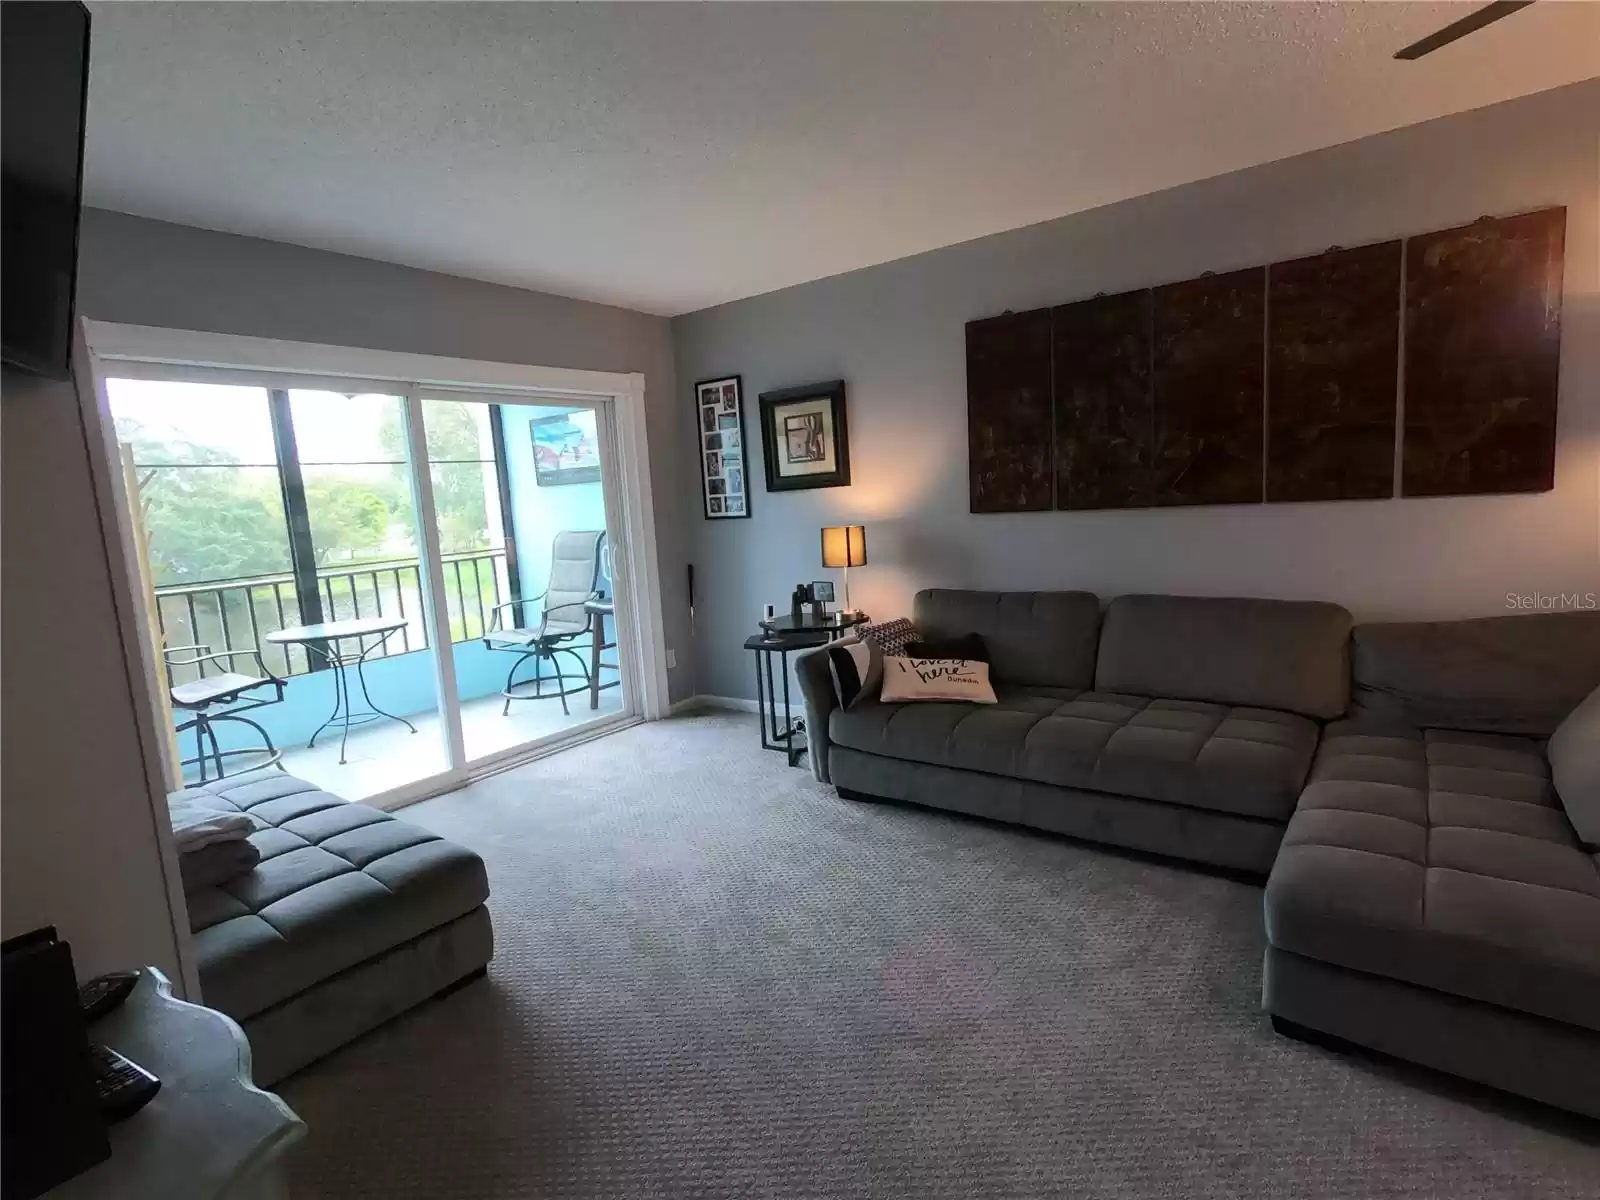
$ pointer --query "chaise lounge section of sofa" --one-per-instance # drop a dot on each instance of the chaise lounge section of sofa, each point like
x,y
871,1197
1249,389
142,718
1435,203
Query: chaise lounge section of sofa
x,y
350,918
1428,897
1431,899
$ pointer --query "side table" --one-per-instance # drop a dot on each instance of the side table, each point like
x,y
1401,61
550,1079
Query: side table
x,y
783,636
210,1133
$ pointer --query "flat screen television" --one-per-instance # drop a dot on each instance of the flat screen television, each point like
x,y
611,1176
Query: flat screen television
x,y
44,76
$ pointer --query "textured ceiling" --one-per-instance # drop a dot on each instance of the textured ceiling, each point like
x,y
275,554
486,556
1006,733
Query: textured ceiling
x,y
668,157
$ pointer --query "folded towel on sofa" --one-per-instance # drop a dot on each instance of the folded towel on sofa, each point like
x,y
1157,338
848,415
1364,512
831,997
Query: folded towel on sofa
x,y
194,826
216,864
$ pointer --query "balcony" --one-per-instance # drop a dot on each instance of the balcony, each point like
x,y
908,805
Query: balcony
x,y
238,614
258,508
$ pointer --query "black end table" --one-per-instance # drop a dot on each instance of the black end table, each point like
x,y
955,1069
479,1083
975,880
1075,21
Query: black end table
x,y
782,636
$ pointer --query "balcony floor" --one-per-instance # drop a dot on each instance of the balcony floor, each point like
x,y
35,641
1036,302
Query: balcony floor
x,y
385,755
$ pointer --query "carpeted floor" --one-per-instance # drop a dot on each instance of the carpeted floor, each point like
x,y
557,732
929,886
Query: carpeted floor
x,y
714,978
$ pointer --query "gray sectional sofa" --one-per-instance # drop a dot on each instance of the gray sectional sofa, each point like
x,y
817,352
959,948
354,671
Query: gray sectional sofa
x,y
1426,895
350,918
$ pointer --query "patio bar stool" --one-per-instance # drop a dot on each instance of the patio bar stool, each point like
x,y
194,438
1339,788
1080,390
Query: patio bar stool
x,y
563,619
225,696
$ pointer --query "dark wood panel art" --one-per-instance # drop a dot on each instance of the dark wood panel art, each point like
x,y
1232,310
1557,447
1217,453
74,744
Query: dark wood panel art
x,y
1483,344
1008,412
1207,384
1181,395
1333,359
1104,430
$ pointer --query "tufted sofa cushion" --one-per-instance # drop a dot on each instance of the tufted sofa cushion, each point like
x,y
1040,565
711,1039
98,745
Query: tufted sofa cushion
x,y
1442,859
338,883
1247,761
1520,674
1043,639
1289,655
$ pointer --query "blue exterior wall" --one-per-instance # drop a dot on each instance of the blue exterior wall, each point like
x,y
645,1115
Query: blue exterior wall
x,y
539,513
402,684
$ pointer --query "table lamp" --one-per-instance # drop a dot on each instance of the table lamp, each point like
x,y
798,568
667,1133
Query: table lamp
x,y
844,546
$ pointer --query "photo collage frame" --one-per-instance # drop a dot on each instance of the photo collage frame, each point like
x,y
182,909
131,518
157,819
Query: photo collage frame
x,y
725,483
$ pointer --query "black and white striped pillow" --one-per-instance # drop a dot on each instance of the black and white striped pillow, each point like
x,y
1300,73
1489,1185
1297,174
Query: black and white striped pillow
x,y
891,636
857,668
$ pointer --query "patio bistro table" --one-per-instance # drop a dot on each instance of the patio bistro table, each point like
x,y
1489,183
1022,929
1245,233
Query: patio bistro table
x,y
323,640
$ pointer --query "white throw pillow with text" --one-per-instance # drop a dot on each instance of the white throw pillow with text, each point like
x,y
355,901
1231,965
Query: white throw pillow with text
x,y
936,679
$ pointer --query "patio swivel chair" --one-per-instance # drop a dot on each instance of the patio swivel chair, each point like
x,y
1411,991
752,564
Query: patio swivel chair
x,y
574,572
225,696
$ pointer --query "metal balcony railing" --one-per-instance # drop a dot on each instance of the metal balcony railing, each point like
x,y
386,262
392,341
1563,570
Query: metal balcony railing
x,y
237,614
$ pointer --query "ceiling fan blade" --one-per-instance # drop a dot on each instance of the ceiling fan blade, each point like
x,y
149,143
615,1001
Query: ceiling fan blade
x,y
1459,29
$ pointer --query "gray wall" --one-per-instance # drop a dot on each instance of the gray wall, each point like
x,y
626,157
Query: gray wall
x,y
78,843
145,272
894,333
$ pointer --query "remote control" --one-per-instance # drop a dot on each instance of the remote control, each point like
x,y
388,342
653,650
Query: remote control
x,y
122,1085
104,993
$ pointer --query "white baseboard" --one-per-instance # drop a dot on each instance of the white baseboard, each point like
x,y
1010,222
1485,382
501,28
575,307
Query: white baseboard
x,y
723,703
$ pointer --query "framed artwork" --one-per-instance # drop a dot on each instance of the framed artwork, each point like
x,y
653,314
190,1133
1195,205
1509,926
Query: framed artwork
x,y
722,475
804,440
566,449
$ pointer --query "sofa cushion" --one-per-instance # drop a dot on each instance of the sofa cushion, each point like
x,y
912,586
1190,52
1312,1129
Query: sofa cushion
x,y
1033,638
1575,768
1290,655
1246,761
1441,859
1518,674
969,646
338,883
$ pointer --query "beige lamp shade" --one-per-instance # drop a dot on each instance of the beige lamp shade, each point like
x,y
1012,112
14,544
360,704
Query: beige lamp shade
x,y
844,545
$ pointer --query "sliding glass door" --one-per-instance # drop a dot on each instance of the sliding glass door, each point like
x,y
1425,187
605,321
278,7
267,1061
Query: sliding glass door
x,y
373,589
282,572
521,522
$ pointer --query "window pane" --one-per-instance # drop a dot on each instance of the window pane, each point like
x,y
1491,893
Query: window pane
x,y
169,423
466,496
359,513
210,501
457,431
466,499
212,523
358,495
330,427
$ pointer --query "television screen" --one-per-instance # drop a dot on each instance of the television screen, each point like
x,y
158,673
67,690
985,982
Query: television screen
x,y
43,76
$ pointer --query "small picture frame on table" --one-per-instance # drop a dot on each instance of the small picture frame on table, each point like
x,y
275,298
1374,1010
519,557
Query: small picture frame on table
x,y
719,407
805,442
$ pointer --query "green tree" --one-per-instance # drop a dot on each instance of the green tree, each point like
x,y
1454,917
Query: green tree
x,y
209,518
203,520
349,519
455,453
